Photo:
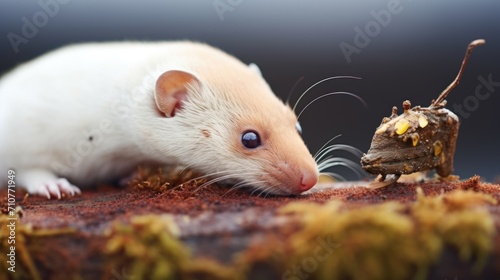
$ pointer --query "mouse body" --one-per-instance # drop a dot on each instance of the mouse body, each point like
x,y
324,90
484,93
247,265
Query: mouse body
x,y
91,113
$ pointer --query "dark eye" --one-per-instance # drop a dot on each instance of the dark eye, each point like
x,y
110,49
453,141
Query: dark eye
x,y
299,128
250,139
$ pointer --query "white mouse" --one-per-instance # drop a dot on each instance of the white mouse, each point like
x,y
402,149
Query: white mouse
x,y
91,113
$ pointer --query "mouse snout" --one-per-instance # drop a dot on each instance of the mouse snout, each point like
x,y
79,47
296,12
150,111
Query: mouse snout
x,y
309,180
293,178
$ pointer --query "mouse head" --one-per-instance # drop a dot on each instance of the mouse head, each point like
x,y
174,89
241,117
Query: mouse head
x,y
237,130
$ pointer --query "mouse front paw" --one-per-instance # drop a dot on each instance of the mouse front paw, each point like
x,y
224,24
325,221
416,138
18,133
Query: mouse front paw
x,y
56,188
39,181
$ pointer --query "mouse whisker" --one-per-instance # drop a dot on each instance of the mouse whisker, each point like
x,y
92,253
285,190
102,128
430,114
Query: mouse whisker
x,y
243,184
230,176
341,147
270,193
239,185
260,186
268,189
329,94
321,81
336,161
214,180
255,189
199,177
287,102
327,162
264,193
185,168
264,190
324,145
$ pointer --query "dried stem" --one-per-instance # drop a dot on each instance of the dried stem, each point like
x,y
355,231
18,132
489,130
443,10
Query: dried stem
x,y
455,82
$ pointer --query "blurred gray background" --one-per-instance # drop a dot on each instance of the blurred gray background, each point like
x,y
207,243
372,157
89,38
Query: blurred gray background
x,y
401,50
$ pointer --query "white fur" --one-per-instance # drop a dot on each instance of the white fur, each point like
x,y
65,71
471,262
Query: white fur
x,y
49,105
255,68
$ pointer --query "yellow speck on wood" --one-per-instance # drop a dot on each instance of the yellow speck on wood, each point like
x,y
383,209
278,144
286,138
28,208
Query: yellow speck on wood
x,y
382,128
414,139
402,126
438,148
422,121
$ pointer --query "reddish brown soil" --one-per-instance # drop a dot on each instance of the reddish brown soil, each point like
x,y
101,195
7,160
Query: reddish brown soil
x,y
94,209
221,222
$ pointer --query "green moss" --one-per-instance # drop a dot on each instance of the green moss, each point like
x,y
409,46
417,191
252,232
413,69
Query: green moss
x,y
389,240
335,240
150,247
459,221
24,265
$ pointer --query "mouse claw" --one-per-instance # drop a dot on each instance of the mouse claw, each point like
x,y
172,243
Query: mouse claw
x,y
384,181
43,191
68,188
57,188
53,189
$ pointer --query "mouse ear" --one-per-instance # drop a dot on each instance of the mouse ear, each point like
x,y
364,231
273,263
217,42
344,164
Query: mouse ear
x,y
171,90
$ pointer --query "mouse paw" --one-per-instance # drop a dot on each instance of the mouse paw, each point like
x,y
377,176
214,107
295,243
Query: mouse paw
x,y
55,188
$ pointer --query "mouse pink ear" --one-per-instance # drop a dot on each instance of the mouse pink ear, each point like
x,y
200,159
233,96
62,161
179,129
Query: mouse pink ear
x,y
171,90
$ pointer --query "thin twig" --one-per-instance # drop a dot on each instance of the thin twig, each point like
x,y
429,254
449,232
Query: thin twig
x,y
455,82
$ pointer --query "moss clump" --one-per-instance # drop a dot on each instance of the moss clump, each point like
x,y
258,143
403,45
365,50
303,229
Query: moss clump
x,y
371,242
335,240
459,221
24,265
149,245
387,241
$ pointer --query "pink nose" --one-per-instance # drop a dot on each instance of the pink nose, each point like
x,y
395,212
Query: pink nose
x,y
309,180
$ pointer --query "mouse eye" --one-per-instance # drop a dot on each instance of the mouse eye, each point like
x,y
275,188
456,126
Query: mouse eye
x,y
250,139
298,127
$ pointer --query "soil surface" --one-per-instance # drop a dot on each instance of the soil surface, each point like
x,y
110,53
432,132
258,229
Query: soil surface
x,y
214,221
